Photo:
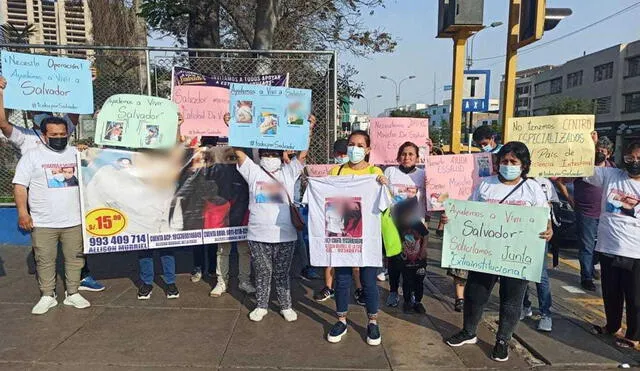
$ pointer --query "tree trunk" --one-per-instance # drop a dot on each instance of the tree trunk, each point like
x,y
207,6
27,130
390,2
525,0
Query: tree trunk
x,y
204,24
265,24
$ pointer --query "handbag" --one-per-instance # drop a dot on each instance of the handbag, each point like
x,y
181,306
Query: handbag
x,y
296,218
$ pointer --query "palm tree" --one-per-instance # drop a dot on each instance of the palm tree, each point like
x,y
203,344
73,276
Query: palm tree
x,y
17,35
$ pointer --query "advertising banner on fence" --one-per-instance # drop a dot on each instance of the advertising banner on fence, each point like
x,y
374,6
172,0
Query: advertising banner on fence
x,y
203,100
178,197
269,117
560,146
389,133
454,176
137,121
497,239
46,83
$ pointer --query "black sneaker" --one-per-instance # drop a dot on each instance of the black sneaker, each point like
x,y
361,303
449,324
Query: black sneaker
x,y
324,294
172,291
459,306
461,338
358,295
144,291
588,285
337,332
500,351
419,308
373,334
407,308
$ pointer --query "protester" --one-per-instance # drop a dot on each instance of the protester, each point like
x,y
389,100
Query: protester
x,y
485,138
52,216
359,146
511,187
586,202
28,139
617,245
271,234
308,272
406,182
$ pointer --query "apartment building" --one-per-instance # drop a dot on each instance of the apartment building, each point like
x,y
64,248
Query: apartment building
x,y
56,22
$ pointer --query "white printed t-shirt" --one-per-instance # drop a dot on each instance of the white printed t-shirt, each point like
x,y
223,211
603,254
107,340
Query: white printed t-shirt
x,y
619,228
491,190
54,198
358,200
405,186
549,189
269,215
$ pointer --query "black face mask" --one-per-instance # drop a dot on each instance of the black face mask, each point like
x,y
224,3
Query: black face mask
x,y
407,170
58,144
633,168
600,158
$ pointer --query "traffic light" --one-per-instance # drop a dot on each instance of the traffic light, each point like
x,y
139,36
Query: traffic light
x,y
535,18
456,15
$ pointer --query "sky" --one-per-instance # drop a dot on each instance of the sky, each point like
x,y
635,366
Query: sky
x,y
414,24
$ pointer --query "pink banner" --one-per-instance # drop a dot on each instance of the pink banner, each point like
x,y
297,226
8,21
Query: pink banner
x,y
389,133
319,171
203,109
454,176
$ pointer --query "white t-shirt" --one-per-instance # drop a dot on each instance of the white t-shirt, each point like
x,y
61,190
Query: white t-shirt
x,y
269,215
491,190
356,203
26,139
549,189
619,227
52,179
405,186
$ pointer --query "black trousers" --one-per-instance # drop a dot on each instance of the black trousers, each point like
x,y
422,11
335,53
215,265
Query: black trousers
x,y
412,282
621,287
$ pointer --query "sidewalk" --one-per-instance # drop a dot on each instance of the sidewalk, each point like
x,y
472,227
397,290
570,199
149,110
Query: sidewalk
x,y
195,331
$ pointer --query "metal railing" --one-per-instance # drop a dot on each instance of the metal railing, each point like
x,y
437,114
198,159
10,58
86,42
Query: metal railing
x,y
147,71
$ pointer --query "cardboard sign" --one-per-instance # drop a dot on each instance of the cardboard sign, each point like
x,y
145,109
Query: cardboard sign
x,y
560,146
137,121
497,239
203,109
389,133
269,117
454,177
46,83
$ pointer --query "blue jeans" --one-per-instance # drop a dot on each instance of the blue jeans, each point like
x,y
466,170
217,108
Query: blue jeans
x,y
302,244
343,281
145,260
587,229
543,288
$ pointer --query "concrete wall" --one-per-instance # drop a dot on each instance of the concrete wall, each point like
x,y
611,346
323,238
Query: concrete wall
x,y
9,232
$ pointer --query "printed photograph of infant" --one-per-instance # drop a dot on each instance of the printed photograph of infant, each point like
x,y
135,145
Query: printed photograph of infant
x,y
244,112
269,124
114,131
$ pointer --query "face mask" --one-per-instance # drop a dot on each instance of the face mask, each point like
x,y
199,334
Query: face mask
x,y
407,170
270,164
633,168
59,177
487,148
341,160
58,144
355,154
600,158
510,172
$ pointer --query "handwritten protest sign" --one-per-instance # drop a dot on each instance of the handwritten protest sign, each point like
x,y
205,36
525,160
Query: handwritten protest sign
x,y
137,121
454,176
45,83
559,145
269,117
203,109
389,133
319,171
496,239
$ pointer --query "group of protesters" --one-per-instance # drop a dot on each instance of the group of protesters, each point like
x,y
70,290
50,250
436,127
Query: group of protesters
x,y
52,215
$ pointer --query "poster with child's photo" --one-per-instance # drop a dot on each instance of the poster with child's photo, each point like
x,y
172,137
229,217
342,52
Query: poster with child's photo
x,y
343,217
114,131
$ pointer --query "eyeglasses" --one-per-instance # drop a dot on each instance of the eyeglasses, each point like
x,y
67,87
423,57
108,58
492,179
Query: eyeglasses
x,y
630,158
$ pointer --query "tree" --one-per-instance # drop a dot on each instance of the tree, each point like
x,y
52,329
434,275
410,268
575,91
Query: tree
x,y
569,105
17,35
403,113
347,85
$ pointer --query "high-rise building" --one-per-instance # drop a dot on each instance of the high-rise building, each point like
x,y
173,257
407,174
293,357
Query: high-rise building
x,y
56,22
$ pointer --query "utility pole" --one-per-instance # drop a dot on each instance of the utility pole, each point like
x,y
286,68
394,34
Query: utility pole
x,y
509,91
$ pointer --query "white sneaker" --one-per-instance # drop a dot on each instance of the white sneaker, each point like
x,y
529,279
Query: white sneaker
x,y
382,277
289,315
247,287
526,313
545,324
220,289
76,300
257,314
45,303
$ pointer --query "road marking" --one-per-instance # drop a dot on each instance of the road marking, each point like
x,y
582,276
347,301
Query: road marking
x,y
573,290
588,301
573,263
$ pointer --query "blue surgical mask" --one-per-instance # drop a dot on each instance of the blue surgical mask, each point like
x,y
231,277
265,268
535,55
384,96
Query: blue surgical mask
x,y
356,154
510,172
487,148
341,160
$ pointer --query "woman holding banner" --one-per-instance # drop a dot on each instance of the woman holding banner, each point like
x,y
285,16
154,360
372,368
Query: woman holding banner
x,y
511,187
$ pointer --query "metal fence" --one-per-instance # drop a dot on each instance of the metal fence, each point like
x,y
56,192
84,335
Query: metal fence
x,y
147,70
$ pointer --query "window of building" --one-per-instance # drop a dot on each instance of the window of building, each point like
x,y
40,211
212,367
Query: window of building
x,y
633,66
574,79
603,72
522,102
444,110
556,86
632,102
522,90
537,88
602,105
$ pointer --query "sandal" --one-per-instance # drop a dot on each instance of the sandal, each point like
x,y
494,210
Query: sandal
x,y
627,344
602,330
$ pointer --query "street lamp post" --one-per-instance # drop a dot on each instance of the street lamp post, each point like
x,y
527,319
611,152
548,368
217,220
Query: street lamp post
x,y
398,86
368,105
470,55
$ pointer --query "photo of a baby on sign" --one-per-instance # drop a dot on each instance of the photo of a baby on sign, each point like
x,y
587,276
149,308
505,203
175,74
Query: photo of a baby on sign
x,y
243,112
268,123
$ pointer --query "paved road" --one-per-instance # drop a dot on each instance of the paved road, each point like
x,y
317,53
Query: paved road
x,y
120,332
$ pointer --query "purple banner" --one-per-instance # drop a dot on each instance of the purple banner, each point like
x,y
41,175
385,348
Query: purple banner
x,y
185,76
